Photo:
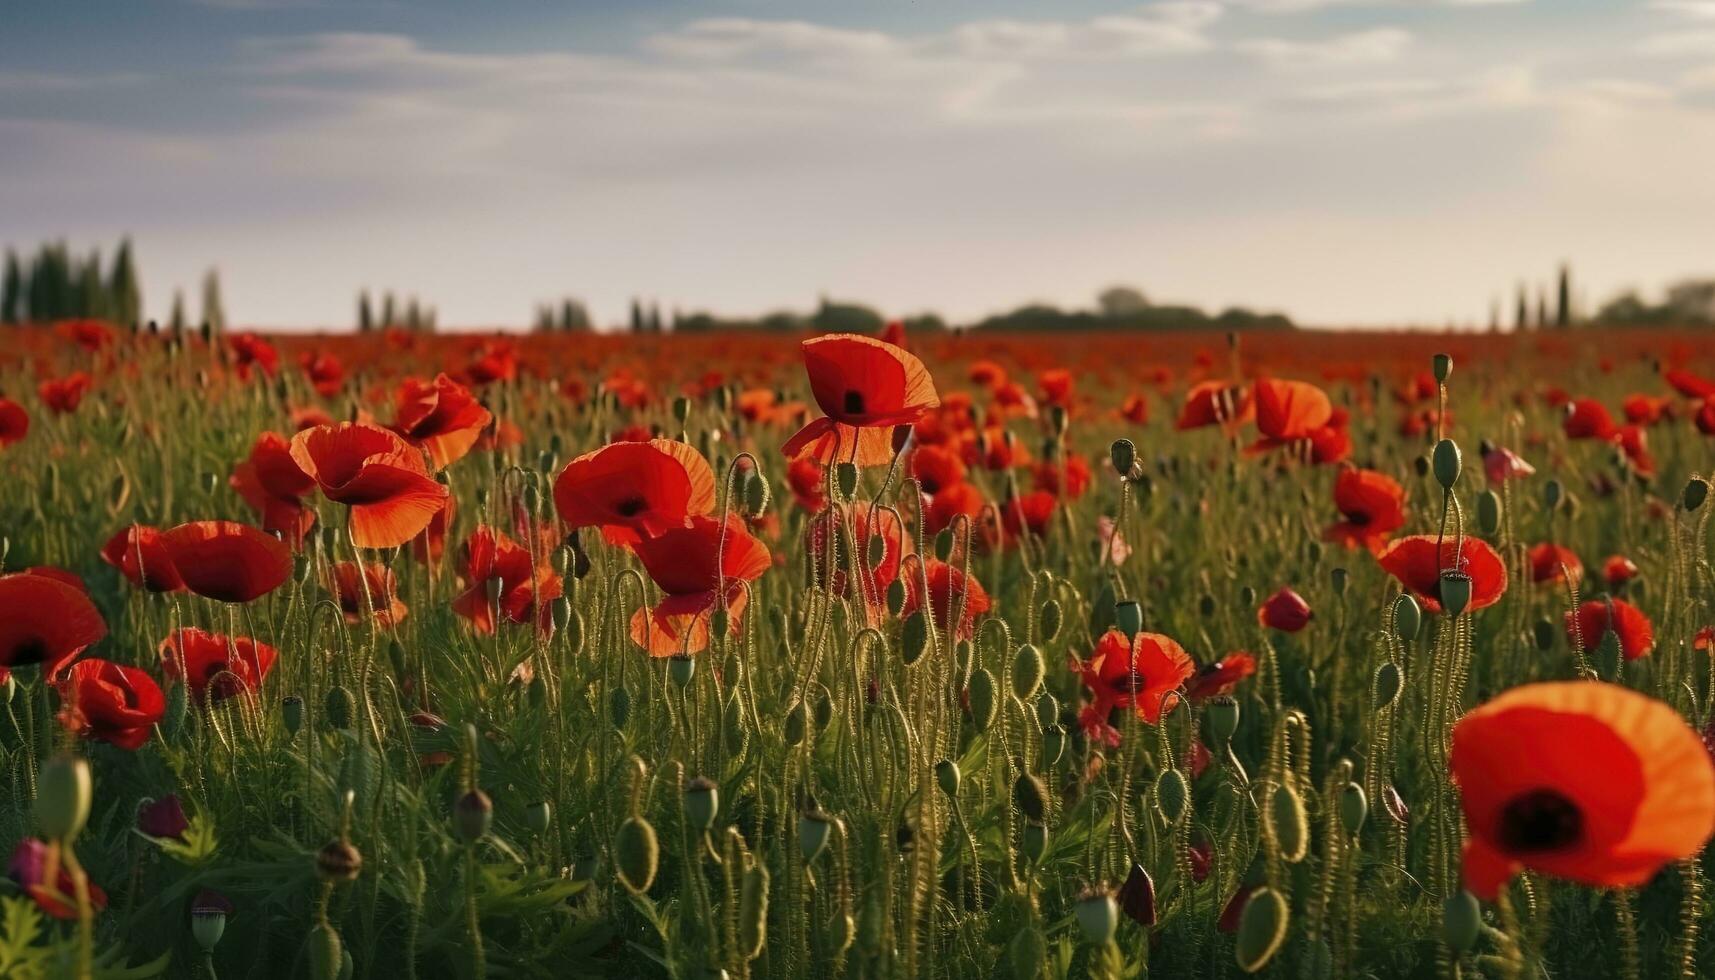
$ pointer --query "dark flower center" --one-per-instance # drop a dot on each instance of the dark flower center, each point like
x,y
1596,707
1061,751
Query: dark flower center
x,y
1540,820
1129,683
631,506
1359,518
29,650
854,402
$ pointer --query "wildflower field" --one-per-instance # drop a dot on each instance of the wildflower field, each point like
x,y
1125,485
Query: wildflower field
x,y
924,655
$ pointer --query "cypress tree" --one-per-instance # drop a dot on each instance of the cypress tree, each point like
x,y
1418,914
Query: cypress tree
x,y
176,320
1521,315
125,294
636,316
213,313
389,315
91,296
365,315
11,290
1563,299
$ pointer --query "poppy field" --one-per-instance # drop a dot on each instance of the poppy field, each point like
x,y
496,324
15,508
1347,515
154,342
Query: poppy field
x,y
927,654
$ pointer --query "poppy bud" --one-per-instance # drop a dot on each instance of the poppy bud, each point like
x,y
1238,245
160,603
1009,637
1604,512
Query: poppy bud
x,y
339,861
1128,617
301,568
681,669
947,774
1489,512
636,854
944,544
1262,929
753,911
1407,618
1049,620
1461,920
619,706
1552,491
1443,365
338,707
64,790
1608,654
814,826
1354,807
823,711
681,409
1172,795
1446,462
1313,550
1696,491
1290,823
1247,595
895,596
1034,842
292,713
473,814
757,494
702,802
797,721
1420,466
1223,715
327,953
1137,896
901,437
720,623
1047,709
1455,592
1028,670
1098,915
984,699
1123,453
1053,746
208,919
1386,684
846,479
562,612
877,550
1206,604
1031,795
1544,632
537,817
1339,578
1102,610
913,638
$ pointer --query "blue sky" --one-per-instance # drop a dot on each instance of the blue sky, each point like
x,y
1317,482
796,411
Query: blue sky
x,y
1348,161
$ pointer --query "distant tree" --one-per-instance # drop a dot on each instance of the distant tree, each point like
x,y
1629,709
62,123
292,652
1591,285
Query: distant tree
x,y
176,320
92,296
924,323
11,290
1563,299
637,324
389,310
1541,308
1521,312
654,317
213,312
832,317
124,291
365,313
1692,300
1121,301
782,320
573,315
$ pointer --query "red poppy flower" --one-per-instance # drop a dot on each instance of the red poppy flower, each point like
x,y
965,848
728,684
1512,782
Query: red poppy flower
x,y
374,587
1056,387
986,374
215,665
871,528
63,395
1033,512
1012,401
1072,473
1216,403
31,864
808,484
1645,409
1581,780
495,361
91,335
429,546
1374,507
1501,465
1135,409
1636,632
635,489
44,620
1290,410
690,565
440,417
951,501
936,467
14,423
1221,676
1143,674
1418,561
522,592
1634,442
949,589
113,703
138,553
227,561
1553,563
377,475
1619,570
1706,417
1689,384
326,374
862,382
1285,610
1587,418
274,485
250,351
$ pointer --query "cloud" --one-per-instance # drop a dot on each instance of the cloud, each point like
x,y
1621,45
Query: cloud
x,y
1695,9
1372,47
1304,6
1683,44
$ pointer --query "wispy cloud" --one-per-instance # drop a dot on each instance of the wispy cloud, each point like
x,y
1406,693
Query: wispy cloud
x,y
1373,47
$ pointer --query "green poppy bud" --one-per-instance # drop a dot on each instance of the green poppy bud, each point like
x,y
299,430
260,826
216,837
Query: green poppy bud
x,y
1489,512
619,706
1172,795
338,707
636,854
1290,823
757,495
702,802
1123,454
896,596
327,953
814,828
1262,929
1386,684
1354,807
1461,921
537,817
753,911
1033,842
292,713
944,544
846,479
1031,795
1552,492
1047,710
984,699
64,792
1339,578
1028,670
1446,462
1696,491
1049,621
1053,746
1407,618
797,725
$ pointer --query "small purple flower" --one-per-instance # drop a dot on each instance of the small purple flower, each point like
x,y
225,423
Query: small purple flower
x,y
163,818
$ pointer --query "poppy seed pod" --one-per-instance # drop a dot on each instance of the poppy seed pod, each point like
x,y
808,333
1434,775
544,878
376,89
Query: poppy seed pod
x,y
1028,670
944,544
797,725
1049,621
1290,823
1407,617
1339,578
702,802
1455,592
1461,921
896,596
681,669
1544,633
473,814
1489,512
984,699
1128,617
1446,463
1386,685
1262,929
1552,492
1172,795
814,827
64,791
1696,491
846,479
208,921
292,713
1123,454
1443,367
948,776
1033,842
338,706
1354,807
537,817
1098,916
619,706
339,861
636,854
1047,710
1223,715
913,638
1031,795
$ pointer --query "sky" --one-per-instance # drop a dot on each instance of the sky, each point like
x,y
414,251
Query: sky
x,y
1348,162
